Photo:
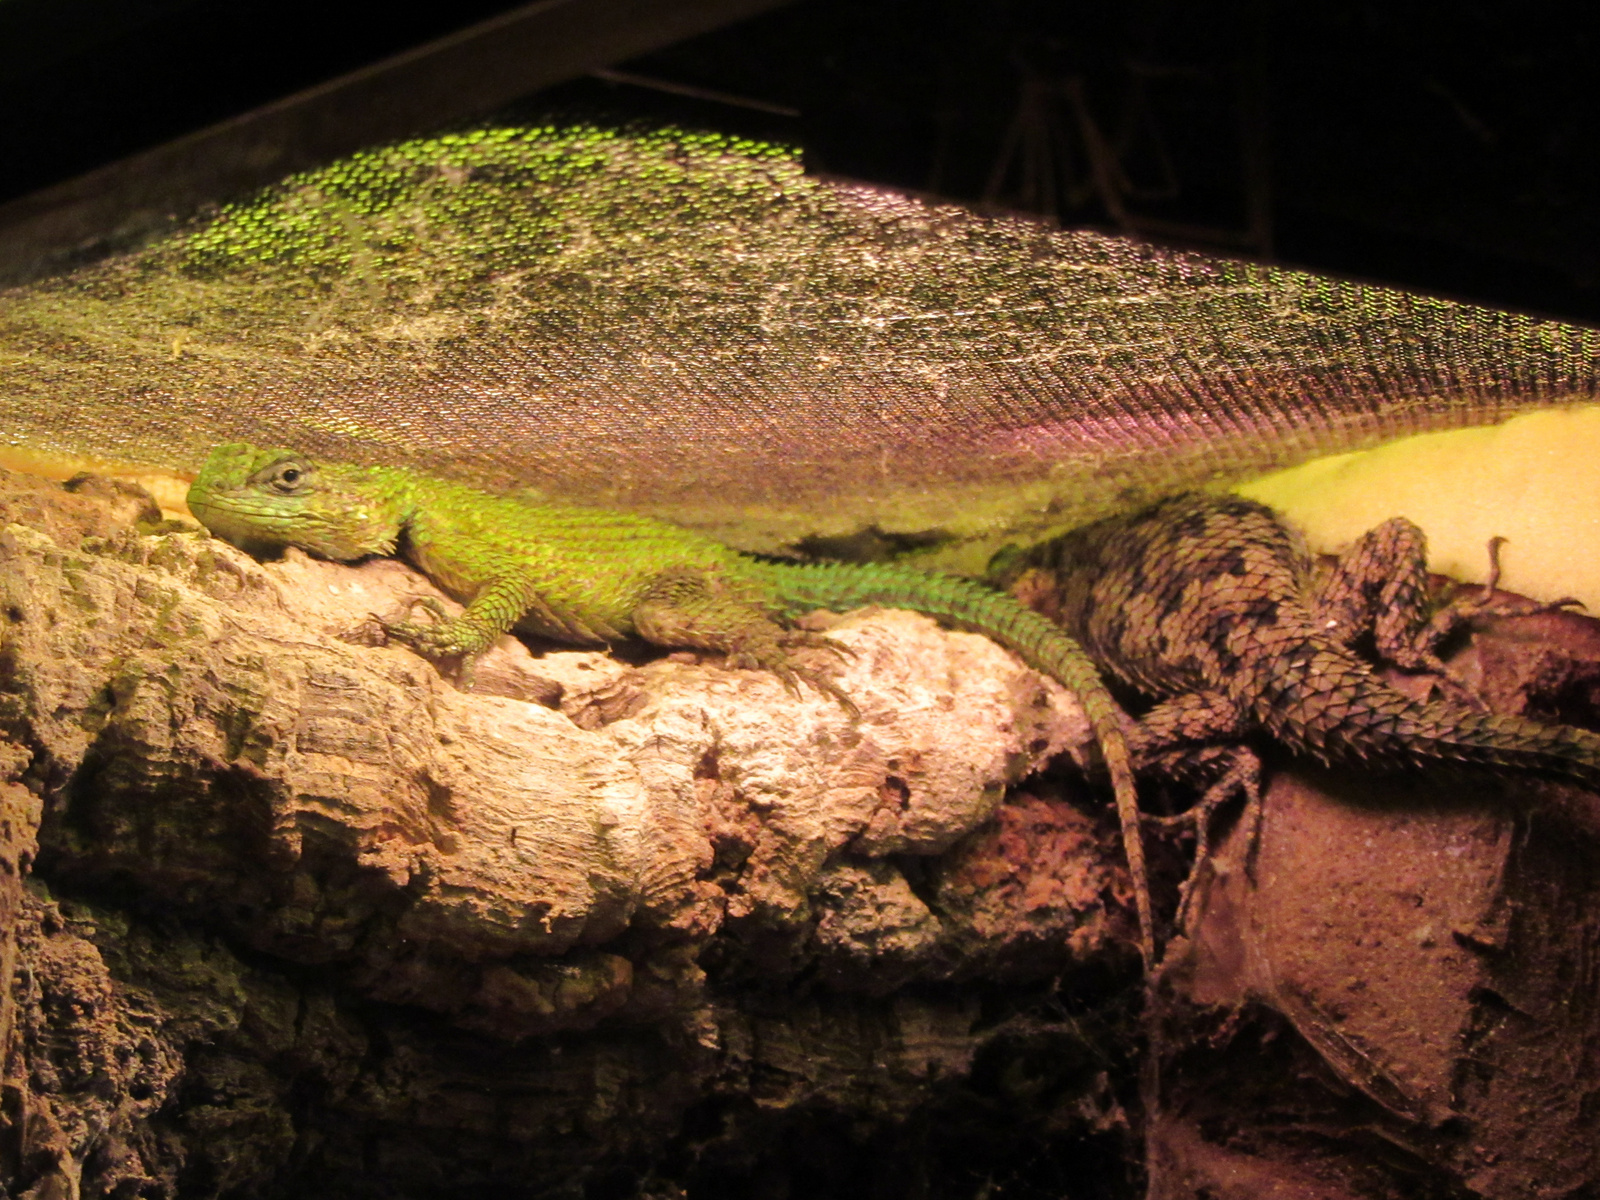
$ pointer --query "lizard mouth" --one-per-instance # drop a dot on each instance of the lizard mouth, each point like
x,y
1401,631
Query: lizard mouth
x,y
266,525
233,522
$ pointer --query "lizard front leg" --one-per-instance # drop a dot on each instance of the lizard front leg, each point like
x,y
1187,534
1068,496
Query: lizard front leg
x,y
1380,587
507,600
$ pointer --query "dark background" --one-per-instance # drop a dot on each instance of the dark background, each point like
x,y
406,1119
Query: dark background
x,y
1448,147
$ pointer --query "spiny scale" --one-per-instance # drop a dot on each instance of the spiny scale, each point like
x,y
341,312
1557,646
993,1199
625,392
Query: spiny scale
x,y
1210,602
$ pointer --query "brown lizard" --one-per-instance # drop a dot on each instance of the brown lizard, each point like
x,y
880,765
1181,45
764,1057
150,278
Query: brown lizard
x,y
1210,606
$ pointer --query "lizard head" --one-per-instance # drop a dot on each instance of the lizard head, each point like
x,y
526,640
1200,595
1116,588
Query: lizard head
x,y
266,499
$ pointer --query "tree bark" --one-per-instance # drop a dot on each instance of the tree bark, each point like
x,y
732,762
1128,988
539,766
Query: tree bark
x,y
312,917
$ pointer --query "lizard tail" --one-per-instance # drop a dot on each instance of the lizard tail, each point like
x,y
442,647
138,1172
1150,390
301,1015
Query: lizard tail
x,y
1041,643
1340,711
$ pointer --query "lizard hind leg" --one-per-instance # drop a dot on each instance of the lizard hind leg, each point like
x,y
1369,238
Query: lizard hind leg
x,y
1233,770
699,609
1197,737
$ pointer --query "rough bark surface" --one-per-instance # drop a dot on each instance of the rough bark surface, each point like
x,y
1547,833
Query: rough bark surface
x,y
291,913
311,918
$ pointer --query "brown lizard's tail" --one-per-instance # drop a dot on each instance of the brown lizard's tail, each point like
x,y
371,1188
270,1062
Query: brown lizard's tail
x,y
1332,706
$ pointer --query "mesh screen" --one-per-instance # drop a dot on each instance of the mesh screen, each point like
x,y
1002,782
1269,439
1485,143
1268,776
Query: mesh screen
x,y
688,324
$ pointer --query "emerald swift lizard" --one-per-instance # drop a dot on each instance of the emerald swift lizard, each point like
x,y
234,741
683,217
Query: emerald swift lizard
x,y
591,575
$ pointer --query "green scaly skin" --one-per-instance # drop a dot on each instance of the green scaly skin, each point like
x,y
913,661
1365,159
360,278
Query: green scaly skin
x,y
590,575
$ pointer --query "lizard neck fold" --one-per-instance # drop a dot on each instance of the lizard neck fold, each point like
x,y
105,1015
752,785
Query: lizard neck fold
x,y
359,511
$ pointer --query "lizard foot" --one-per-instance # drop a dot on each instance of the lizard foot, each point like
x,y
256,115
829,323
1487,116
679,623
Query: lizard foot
x,y
444,637
806,639
1483,604
774,657
1461,611
828,688
1240,777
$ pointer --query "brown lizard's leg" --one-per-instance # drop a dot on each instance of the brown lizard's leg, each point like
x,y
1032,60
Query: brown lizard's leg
x,y
704,610
1234,771
1195,737
1380,586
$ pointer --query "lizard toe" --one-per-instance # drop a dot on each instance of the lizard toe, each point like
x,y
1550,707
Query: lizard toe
x,y
805,639
828,688
430,641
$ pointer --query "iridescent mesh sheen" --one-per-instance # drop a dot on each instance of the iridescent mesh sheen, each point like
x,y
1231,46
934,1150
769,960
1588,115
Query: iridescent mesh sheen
x,y
688,324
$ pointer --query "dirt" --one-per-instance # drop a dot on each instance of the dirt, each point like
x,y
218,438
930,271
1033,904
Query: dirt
x,y
1397,993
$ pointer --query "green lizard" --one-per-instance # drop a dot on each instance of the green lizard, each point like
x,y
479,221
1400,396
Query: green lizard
x,y
591,575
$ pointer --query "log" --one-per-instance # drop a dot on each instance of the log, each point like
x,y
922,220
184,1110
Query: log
x,y
310,915
286,911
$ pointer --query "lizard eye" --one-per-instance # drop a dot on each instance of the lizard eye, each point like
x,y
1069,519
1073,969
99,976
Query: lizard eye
x,y
288,477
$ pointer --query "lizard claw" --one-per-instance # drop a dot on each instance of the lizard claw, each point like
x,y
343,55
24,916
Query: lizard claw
x,y
441,638
806,639
778,663
828,688
841,653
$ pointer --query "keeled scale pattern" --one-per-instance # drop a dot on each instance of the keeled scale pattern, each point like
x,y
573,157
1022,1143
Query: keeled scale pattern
x,y
1209,604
